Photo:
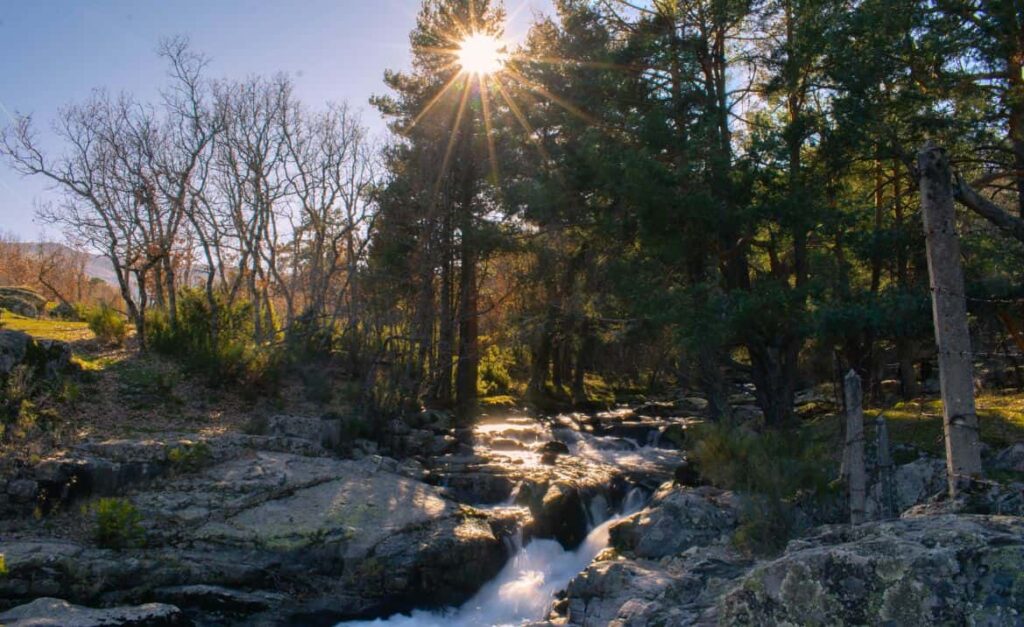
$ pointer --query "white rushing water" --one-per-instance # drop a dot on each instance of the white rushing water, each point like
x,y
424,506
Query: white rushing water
x,y
524,590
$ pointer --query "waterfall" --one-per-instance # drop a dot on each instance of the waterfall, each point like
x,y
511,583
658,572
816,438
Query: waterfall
x,y
523,591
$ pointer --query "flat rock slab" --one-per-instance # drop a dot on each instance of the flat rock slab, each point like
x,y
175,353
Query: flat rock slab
x,y
341,537
360,508
47,612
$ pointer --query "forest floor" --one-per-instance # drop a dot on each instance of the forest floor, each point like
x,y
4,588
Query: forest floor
x,y
121,393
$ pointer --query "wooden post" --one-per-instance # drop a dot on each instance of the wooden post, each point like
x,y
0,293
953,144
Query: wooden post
x,y
949,314
885,476
855,446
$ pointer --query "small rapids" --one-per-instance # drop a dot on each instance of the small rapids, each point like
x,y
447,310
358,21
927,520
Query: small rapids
x,y
524,590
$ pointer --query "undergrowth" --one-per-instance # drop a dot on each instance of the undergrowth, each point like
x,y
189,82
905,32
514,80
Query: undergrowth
x,y
770,470
118,524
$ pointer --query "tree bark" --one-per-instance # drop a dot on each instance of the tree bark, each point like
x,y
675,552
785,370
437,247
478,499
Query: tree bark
x,y
583,358
949,313
857,482
469,323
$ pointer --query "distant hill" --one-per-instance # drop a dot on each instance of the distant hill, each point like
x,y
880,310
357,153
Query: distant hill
x,y
98,267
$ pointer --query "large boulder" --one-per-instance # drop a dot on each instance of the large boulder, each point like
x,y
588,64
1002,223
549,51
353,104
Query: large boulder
x,y
559,514
676,519
26,294
636,593
13,349
47,612
325,431
940,570
913,483
1010,458
22,301
46,358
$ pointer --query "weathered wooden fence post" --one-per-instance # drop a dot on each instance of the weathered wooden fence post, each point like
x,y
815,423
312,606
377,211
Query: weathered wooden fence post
x,y
949,314
885,474
856,479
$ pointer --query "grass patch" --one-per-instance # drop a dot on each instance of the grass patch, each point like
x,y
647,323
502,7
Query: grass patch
x,y
145,384
499,401
919,423
48,328
598,390
95,363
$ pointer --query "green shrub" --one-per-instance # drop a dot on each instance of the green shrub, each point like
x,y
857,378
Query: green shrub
x,y
765,526
233,357
190,457
108,325
494,377
769,470
118,524
16,401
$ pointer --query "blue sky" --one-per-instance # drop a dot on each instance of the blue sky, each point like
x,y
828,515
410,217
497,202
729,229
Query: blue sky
x,y
54,53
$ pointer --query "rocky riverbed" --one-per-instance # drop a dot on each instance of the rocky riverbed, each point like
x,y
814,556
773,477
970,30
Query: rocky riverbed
x,y
574,519
280,529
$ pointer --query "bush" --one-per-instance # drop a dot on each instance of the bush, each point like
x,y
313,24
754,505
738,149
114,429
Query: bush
x,y
234,357
118,524
190,457
108,325
16,401
770,470
494,375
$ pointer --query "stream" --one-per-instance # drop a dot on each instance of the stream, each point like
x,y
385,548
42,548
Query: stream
x,y
524,590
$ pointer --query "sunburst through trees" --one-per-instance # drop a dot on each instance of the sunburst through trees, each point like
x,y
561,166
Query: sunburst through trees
x,y
464,96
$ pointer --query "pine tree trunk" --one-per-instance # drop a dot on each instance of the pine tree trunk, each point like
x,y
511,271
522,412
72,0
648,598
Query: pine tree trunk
x,y
469,358
541,364
583,357
949,313
446,340
857,481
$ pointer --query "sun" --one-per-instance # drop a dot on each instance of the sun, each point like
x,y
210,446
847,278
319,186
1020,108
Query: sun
x,y
481,54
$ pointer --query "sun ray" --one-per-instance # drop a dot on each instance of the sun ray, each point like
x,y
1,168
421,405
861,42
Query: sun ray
x,y
451,144
543,91
597,65
492,151
518,114
433,101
